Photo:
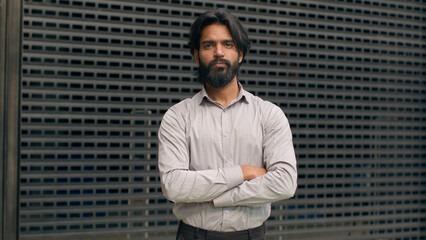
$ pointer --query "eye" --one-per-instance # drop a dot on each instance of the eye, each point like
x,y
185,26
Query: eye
x,y
208,46
229,45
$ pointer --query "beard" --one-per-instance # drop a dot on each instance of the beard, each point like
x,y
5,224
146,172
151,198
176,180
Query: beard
x,y
218,77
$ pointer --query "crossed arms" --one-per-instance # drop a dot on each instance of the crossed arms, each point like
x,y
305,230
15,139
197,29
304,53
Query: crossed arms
x,y
244,185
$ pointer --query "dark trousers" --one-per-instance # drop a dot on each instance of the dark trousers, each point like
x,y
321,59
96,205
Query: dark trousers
x,y
187,232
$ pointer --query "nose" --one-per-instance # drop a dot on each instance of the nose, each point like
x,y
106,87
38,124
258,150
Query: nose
x,y
219,51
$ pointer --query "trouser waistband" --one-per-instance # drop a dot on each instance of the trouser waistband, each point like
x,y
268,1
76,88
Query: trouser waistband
x,y
190,232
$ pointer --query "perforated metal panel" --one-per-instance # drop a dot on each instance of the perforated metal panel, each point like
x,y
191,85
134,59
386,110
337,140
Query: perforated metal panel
x,y
99,75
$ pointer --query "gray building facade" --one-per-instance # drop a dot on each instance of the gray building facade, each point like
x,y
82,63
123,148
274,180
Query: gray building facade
x,y
99,75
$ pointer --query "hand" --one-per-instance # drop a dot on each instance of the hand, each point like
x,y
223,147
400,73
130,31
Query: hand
x,y
250,171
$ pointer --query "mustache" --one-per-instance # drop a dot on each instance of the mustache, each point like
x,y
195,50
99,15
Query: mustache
x,y
219,60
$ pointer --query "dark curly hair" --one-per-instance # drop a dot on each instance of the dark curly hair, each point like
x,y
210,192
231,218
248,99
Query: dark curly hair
x,y
221,16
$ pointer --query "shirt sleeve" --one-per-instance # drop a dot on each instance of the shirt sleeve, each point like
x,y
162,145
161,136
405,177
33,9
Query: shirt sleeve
x,y
280,181
179,184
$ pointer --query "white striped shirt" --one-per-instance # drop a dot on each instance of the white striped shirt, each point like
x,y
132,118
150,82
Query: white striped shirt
x,y
201,148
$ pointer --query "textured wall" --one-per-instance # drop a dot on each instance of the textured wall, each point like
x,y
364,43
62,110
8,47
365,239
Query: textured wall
x,y
98,75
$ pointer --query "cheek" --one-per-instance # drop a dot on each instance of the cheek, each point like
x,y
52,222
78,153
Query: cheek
x,y
205,58
234,55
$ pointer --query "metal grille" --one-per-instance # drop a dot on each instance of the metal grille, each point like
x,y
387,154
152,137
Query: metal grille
x,y
98,75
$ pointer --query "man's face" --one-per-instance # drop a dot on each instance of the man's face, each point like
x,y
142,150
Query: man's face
x,y
218,58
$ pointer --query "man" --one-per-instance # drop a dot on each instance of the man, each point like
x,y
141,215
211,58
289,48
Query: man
x,y
224,154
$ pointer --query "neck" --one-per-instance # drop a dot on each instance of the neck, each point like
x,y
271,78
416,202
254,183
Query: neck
x,y
224,95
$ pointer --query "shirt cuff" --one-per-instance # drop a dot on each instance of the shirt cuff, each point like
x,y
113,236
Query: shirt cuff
x,y
234,176
223,200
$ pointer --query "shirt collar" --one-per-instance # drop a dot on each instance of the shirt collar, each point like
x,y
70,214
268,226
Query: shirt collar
x,y
242,95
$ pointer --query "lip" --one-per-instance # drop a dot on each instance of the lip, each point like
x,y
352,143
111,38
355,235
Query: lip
x,y
219,64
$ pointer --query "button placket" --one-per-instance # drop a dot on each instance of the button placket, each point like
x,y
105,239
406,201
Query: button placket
x,y
226,137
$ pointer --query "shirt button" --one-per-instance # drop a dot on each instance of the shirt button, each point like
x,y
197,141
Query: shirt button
x,y
225,135
226,160
226,211
224,110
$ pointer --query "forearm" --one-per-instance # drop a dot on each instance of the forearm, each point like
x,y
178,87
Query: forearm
x,y
199,186
277,184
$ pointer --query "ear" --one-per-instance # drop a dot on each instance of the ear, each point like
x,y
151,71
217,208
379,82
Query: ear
x,y
240,56
196,57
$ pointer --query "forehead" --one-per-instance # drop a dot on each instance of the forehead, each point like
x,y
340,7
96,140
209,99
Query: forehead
x,y
215,32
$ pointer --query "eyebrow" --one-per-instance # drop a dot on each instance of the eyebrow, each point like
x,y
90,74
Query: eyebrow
x,y
211,41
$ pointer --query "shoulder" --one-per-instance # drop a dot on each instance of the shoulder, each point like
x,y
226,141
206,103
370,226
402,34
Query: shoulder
x,y
266,108
272,117
183,108
259,102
